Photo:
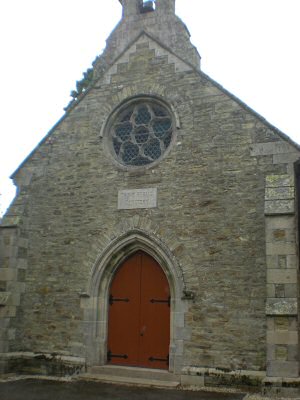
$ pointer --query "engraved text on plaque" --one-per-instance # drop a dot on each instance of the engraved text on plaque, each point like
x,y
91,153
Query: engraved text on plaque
x,y
137,198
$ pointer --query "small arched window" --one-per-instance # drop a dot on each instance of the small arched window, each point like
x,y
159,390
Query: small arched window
x,y
147,6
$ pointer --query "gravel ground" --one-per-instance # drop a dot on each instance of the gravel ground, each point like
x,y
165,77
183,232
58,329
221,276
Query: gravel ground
x,y
258,397
47,388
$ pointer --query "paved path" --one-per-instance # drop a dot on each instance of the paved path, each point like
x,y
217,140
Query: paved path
x,y
31,389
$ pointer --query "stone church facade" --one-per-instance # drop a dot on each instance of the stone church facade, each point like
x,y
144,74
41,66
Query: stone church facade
x,y
157,165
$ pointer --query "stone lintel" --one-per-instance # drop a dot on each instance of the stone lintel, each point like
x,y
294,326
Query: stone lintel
x,y
285,158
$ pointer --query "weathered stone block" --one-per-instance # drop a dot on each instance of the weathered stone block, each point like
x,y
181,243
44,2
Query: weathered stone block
x,y
280,235
22,242
182,334
179,318
285,158
270,323
22,263
276,261
270,290
282,323
293,324
282,337
271,352
4,323
293,352
3,346
281,353
278,276
17,287
11,334
14,299
3,333
282,307
282,262
192,380
275,181
280,248
292,261
279,290
280,193
7,311
8,274
4,298
280,222
273,207
283,369
291,290
261,149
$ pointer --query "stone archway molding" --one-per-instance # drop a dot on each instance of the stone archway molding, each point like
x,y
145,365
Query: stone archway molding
x,y
128,243
95,301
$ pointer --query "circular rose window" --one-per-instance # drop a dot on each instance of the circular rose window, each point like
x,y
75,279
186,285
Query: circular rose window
x,y
141,133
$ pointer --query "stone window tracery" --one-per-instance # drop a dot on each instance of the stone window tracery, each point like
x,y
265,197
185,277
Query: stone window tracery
x,y
141,133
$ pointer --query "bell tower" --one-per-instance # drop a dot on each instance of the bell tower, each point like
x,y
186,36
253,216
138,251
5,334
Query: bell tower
x,y
156,18
135,7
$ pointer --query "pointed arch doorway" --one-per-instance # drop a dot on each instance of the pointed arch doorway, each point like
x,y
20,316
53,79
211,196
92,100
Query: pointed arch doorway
x,y
139,314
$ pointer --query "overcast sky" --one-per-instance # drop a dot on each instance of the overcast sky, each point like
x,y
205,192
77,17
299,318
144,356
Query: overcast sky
x,y
251,47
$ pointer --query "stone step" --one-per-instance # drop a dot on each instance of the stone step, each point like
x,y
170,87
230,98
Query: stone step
x,y
132,375
124,380
135,372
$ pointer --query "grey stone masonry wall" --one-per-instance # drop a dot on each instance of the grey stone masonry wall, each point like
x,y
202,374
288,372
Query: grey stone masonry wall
x,y
210,194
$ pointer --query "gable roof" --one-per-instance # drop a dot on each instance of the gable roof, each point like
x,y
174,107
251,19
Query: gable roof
x,y
74,104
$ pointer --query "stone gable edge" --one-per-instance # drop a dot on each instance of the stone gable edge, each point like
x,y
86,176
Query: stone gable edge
x,y
132,43
202,74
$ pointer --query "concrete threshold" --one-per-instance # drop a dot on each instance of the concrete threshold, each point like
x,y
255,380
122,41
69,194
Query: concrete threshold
x,y
132,376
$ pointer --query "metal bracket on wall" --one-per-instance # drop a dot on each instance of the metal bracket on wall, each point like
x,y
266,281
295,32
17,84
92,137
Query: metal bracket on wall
x,y
188,295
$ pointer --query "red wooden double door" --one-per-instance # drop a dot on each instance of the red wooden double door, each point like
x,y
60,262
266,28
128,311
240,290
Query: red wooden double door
x,y
139,314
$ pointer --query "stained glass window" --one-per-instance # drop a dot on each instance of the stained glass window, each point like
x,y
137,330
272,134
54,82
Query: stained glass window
x,y
141,133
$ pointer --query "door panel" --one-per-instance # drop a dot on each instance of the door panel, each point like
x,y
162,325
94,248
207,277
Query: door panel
x,y
139,314
155,315
123,327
